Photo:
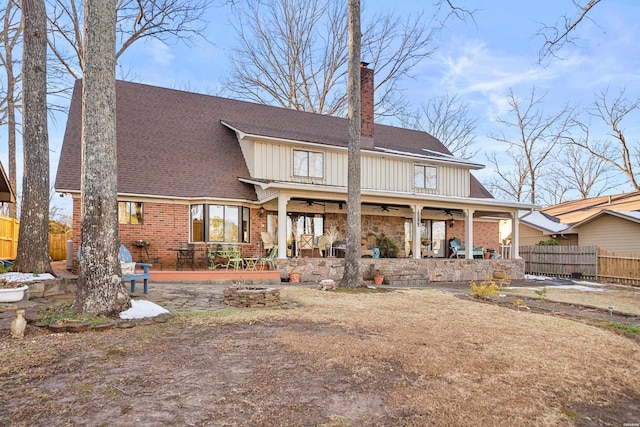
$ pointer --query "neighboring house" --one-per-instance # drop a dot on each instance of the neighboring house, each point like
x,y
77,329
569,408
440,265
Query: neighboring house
x,y
7,194
609,222
204,169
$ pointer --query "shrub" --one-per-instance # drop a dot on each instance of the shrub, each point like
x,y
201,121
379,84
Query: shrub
x,y
548,242
484,290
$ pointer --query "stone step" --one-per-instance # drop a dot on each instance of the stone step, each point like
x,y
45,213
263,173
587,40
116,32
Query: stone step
x,y
406,279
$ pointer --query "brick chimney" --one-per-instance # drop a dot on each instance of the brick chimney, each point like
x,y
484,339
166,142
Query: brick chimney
x,y
366,106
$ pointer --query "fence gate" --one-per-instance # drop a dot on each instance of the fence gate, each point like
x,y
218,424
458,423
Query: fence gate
x,y
561,261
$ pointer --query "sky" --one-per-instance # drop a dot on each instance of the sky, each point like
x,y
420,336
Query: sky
x,y
479,60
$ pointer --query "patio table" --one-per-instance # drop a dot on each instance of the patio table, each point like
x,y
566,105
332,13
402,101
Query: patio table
x,y
251,263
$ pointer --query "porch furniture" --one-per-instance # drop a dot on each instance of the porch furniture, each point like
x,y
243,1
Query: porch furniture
x,y
267,240
251,263
340,247
268,260
306,244
185,256
125,257
457,251
324,246
150,258
234,259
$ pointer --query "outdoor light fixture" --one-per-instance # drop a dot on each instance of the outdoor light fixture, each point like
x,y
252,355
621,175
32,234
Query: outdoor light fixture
x,y
452,221
261,212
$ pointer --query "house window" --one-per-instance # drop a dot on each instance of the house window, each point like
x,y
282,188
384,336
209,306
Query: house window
x,y
219,223
425,176
308,163
129,213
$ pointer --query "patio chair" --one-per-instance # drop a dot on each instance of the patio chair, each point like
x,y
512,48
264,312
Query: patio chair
x,y
185,256
267,240
457,251
234,258
306,244
151,258
268,260
324,246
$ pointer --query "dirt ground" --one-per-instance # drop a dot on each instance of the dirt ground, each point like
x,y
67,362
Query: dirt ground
x,y
408,357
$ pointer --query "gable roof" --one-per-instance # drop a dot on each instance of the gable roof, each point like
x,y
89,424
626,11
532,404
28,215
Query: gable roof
x,y
568,216
577,210
173,143
633,216
543,222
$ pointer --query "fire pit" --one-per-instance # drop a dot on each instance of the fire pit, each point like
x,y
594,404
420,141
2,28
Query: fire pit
x,y
252,297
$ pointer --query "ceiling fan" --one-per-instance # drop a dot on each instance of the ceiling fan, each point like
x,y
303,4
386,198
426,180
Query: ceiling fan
x,y
310,202
386,208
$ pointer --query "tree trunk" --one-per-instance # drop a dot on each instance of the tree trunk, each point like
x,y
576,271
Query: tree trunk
x,y
33,239
352,276
100,288
10,35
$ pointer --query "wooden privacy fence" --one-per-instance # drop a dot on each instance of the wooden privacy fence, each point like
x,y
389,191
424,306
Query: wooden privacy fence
x,y
58,246
8,237
619,268
561,261
582,261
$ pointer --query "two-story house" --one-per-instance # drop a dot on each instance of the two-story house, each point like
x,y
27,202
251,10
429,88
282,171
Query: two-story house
x,y
204,169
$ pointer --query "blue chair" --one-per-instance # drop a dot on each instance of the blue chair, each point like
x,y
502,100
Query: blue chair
x,y
125,256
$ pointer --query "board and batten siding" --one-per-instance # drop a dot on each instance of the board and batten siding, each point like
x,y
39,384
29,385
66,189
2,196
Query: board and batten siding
x,y
611,233
273,161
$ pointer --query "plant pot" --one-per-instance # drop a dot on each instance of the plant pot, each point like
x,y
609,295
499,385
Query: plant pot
x,y
294,277
378,279
13,294
487,255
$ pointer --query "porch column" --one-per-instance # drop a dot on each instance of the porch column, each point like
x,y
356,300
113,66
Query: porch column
x,y
468,233
417,218
515,236
282,226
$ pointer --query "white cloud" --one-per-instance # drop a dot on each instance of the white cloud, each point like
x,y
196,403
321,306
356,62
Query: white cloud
x,y
160,53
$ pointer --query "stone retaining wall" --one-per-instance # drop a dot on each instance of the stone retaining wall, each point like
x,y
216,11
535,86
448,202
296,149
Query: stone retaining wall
x,y
399,270
49,288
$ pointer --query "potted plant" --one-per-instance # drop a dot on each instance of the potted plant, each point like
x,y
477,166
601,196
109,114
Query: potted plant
x,y
294,277
385,244
12,291
378,277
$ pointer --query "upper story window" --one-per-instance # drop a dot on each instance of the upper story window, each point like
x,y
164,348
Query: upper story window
x,y
425,176
130,213
308,163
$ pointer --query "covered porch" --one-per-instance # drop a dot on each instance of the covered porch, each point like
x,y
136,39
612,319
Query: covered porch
x,y
417,226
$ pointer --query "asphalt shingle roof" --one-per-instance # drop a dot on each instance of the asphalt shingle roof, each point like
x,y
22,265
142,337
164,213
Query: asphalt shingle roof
x,y
172,143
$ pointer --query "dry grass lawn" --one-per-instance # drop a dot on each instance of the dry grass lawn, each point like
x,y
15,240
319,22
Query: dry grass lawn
x,y
408,357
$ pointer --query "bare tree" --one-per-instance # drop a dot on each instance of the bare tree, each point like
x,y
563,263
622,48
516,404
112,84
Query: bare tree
x,y
617,152
11,100
447,118
100,289
559,34
181,20
531,139
511,178
33,239
293,53
352,276
585,173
